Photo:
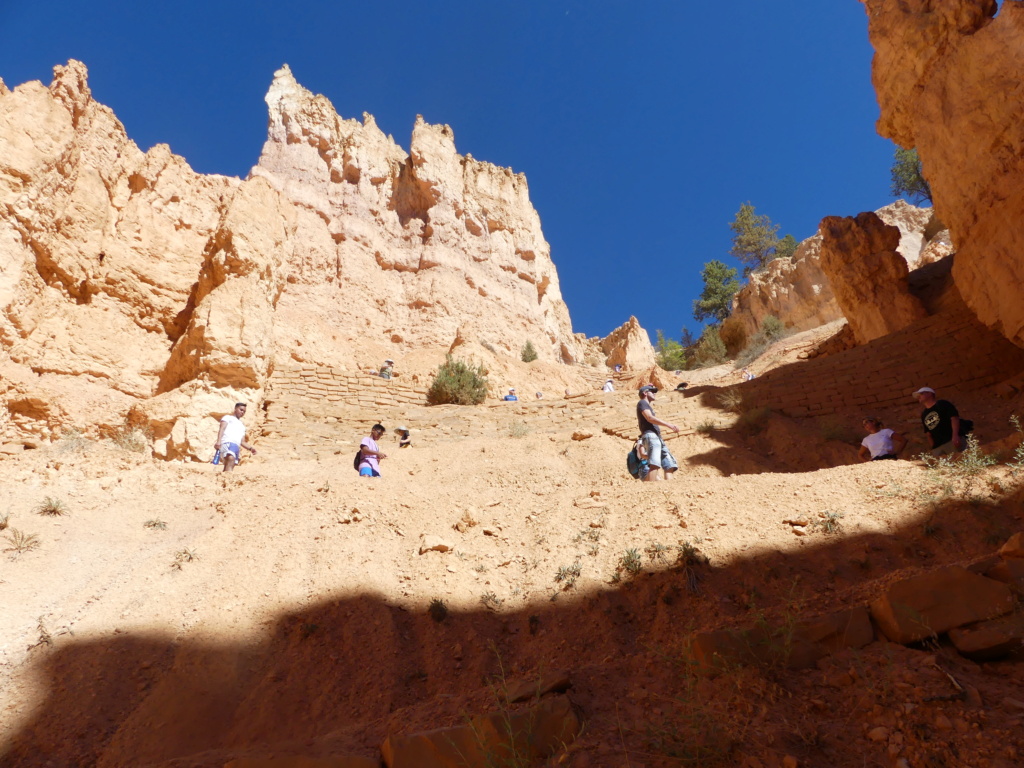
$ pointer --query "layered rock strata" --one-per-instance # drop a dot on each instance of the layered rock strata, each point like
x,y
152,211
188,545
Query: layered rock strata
x,y
948,77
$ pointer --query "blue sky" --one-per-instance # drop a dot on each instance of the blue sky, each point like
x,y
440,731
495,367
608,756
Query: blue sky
x,y
641,126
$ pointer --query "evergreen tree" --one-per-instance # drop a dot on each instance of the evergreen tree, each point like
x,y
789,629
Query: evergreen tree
x,y
786,247
754,239
528,353
720,285
908,177
671,355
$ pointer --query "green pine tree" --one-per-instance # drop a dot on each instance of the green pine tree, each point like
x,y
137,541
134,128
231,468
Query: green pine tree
x,y
720,285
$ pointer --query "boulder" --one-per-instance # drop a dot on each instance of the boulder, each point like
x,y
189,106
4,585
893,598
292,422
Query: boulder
x,y
868,275
988,640
1014,546
934,602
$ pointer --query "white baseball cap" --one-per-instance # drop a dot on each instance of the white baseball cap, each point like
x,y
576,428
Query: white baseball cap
x,y
922,390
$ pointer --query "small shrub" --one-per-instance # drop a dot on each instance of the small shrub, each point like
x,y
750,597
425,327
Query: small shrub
x,y
528,353
710,349
51,507
828,522
731,399
491,601
772,329
21,542
630,562
519,429
656,552
567,575
155,524
670,354
182,557
72,441
489,347
132,438
754,421
688,558
458,383
587,534
957,475
437,610
706,427
1017,465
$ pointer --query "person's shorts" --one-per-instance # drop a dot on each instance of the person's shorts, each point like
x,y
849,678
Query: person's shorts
x,y
658,454
233,448
946,449
367,471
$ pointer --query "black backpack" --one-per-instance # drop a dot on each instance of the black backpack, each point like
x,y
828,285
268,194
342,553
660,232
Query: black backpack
x,y
358,459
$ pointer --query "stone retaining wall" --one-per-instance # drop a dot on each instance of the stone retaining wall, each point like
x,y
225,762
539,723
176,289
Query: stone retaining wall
x,y
333,385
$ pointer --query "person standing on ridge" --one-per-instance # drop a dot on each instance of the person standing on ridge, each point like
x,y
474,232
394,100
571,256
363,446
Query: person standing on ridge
x,y
231,438
658,454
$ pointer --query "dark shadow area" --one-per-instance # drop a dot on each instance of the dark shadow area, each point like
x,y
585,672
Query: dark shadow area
x,y
339,676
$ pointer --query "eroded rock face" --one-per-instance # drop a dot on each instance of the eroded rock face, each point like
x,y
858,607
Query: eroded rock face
x,y
629,346
126,272
945,74
798,292
868,275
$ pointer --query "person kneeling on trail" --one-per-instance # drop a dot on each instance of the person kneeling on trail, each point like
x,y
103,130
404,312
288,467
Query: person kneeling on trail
x,y
880,443
658,454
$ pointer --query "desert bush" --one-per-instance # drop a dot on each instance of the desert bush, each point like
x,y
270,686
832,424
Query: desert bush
x,y
630,562
528,353
771,330
706,427
733,333
670,354
519,429
438,610
710,349
458,383
132,437
568,574
956,475
731,399
21,542
72,440
753,421
489,347
51,507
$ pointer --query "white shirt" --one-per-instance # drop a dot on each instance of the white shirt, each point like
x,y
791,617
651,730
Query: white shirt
x,y
879,443
608,387
234,429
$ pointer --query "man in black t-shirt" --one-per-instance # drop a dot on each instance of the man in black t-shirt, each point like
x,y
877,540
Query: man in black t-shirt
x,y
658,454
941,421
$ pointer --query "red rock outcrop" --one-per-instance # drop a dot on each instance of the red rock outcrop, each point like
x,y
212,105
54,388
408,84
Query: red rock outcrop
x,y
797,291
945,73
629,346
130,283
868,275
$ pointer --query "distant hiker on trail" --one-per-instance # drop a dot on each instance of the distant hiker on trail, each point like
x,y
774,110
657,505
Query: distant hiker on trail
x,y
880,443
942,422
540,395
658,454
608,386
511,396
386,370
747,375
231,439
404,440
369,466
618,368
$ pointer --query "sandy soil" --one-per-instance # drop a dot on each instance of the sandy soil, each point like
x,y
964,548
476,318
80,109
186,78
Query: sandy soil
x,y
177,616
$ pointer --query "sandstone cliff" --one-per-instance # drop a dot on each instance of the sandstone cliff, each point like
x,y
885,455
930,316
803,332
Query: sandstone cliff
x,y
948,77
797,291
129,284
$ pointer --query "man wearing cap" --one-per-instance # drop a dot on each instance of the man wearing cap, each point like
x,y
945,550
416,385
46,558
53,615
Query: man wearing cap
x,y
658,454
385,370
369,465
941,421
404,438
608,386
511,396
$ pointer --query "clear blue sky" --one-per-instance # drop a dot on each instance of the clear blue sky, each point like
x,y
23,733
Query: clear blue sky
x,y
641,126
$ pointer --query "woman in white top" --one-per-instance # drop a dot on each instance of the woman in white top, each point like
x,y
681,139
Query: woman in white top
x,y
880,443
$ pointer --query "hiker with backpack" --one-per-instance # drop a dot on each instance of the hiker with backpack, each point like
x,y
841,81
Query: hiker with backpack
x,y
658,454
370,455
